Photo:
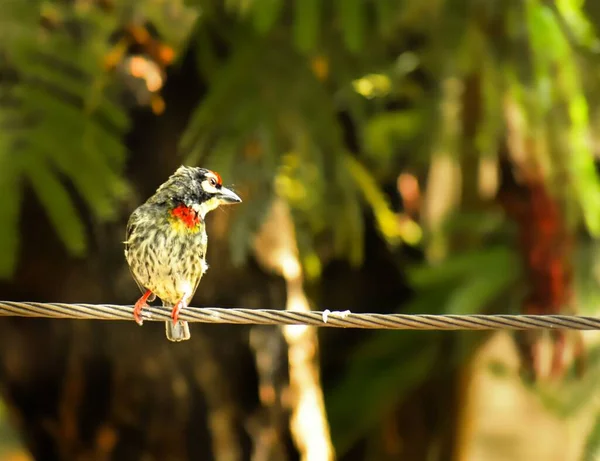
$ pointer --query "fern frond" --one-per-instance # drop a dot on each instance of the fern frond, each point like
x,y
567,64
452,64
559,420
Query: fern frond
x,y
10,187
61,122
61,117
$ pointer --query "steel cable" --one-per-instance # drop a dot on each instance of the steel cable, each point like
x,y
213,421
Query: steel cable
x,y
335,319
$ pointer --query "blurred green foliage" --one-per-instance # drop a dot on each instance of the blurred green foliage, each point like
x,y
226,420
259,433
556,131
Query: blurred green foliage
x,y
9,441
57,121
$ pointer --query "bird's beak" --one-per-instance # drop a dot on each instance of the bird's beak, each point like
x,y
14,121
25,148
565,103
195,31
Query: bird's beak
x,y
227,196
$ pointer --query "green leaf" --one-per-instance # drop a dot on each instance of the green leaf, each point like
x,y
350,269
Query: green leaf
x,y
265,14
386,219
353,17
10,189
475,294
464,265
61,122
59,207
592,445
386,132
306,25
386,11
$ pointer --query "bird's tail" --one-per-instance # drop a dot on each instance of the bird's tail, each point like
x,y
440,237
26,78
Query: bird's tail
x,y
180,331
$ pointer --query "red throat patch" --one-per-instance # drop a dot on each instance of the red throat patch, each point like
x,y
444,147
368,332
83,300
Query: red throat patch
x,y
187,215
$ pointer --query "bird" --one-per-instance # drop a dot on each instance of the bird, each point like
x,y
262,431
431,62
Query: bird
x,y
166,242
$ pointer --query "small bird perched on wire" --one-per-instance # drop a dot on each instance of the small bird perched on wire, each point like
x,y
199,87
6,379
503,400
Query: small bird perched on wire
x,y
166,242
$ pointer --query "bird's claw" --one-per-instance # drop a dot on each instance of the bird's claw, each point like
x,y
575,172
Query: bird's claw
x,y
138,312
175,312
139,306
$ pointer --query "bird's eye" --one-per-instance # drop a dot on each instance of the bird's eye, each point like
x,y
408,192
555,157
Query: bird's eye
x,y
212,182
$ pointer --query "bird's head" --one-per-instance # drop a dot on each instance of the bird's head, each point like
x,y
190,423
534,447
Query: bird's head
x,y
196,189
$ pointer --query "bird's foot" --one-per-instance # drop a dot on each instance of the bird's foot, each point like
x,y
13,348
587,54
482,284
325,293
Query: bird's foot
x,y
181,304
139,306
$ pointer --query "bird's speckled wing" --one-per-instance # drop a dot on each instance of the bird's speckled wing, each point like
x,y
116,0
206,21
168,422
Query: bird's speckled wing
x,y
204,268
130,228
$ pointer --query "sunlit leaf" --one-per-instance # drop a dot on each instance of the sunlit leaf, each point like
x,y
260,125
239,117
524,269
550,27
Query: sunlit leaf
x,y
387,220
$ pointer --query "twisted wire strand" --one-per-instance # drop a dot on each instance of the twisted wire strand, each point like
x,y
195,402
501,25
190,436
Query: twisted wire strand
x,y
335,319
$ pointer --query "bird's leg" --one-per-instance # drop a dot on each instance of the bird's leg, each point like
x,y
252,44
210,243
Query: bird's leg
x,y
181,304
139,306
